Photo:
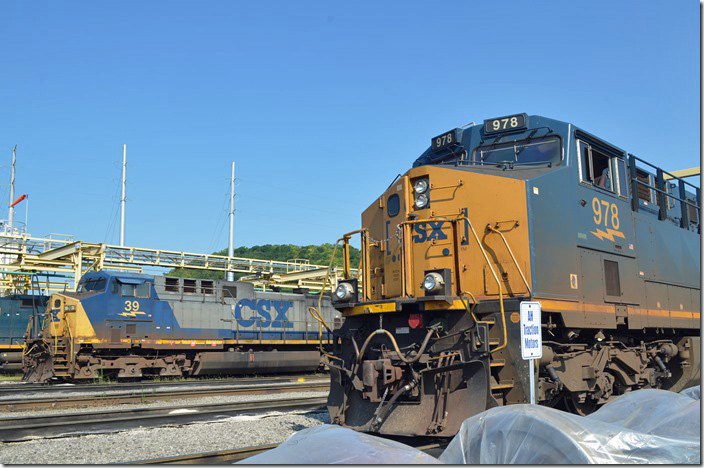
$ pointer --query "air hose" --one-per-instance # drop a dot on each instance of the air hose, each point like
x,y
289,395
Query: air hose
x,y
403,358
406,388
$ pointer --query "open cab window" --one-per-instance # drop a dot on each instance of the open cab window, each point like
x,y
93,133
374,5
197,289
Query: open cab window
x,y
601,169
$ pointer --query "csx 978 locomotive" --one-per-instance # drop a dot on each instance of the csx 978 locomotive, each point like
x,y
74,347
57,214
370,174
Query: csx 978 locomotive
x,y
129,325
521,208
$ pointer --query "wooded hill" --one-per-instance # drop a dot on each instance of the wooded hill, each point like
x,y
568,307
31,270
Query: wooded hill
x,y
317,254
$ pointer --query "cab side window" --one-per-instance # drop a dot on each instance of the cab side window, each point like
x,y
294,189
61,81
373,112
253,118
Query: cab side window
x,y
134,290
601,169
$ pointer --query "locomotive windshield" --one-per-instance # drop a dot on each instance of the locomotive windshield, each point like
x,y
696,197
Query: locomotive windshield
x,y
537,151
91,285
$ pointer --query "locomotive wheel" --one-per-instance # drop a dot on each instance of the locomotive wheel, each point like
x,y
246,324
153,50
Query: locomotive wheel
x,y
574,406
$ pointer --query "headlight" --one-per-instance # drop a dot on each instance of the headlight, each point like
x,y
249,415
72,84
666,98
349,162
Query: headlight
x,y
433,282
344,292
70,308
421,201
421,186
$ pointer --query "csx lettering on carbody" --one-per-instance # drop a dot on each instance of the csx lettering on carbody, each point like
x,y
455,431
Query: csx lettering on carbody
x,y
422,235
260,313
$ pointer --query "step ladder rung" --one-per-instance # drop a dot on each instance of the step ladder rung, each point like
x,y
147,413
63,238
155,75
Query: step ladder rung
x,y
497,363
503,385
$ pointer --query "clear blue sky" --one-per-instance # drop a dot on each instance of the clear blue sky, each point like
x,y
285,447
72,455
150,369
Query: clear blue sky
x,y
320,104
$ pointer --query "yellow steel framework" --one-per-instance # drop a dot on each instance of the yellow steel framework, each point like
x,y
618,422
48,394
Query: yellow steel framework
x,y
73,259
682,173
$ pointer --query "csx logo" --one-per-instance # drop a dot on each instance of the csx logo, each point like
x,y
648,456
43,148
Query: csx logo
x,y
261,312
422,234
55,315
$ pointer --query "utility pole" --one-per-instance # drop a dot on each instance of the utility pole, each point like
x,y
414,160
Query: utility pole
x,y
231,245
11,214
122,200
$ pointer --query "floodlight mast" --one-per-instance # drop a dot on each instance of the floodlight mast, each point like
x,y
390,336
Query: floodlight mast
x,y
231,244
123,198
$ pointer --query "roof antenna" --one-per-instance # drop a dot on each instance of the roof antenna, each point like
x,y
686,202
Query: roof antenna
x,y
470,123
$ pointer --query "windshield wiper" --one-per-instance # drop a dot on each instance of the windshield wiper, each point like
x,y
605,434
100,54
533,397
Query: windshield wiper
x,y
531,135
505,164
534,163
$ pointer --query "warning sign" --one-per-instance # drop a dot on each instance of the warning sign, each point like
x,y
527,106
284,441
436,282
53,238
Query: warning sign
x,y
531,333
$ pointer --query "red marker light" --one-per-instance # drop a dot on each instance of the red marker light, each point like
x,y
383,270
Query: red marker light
x,y
415,320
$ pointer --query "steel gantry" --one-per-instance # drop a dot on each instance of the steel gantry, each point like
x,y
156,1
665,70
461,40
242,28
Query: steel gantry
x,y
70,259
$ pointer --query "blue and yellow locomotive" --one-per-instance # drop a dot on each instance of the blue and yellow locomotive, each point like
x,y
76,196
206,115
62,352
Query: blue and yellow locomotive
x,y
17,312
132,325
521,208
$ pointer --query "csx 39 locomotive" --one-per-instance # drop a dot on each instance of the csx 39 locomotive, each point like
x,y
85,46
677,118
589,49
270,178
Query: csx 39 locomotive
x,y
129,325
521,208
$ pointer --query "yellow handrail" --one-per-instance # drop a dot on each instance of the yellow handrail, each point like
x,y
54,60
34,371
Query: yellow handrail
x,y
70,335
501,291
466,306
515,262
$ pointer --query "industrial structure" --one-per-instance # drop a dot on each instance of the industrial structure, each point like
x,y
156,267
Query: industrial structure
x,y
63,261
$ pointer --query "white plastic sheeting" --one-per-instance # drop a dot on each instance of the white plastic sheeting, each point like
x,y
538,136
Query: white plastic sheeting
x,y
645,426
335,444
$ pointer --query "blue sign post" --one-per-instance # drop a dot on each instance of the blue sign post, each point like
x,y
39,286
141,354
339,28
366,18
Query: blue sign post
x,y
531,339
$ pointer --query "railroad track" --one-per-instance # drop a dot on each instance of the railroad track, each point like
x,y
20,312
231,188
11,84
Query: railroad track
x,y
234,455
61,425
22,388
150,395
210,458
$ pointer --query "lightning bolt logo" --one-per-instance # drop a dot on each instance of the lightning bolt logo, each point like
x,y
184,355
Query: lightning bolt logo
x,y
609,234
131,314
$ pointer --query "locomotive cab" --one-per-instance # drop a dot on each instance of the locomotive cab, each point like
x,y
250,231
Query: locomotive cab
x,y
519,208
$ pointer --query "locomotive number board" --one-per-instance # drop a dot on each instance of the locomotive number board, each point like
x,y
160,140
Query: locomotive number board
x,y
441,141
504,124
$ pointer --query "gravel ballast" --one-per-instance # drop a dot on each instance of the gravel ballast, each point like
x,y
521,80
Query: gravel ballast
x,y
139,444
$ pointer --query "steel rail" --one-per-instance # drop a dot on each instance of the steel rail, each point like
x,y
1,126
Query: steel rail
x,y
21,388
14,429
234,455
211,458
71,401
